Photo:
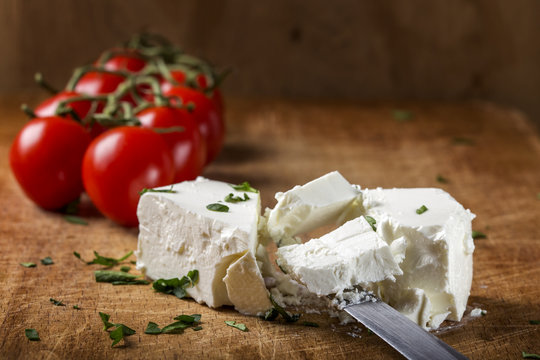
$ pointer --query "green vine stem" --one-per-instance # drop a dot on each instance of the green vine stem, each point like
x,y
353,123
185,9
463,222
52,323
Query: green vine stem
x,y
28,111
38,78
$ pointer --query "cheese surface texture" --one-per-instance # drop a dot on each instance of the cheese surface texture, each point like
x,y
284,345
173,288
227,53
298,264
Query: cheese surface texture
x,y
177,233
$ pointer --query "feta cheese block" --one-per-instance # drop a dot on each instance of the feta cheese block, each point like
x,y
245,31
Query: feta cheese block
x,y
434,249
323,201
351,255
177,233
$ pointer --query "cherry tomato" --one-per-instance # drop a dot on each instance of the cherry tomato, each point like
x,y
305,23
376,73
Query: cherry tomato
x,y
125,60
187,147
81,107
202,83
98,83
46,159
120,163
206,114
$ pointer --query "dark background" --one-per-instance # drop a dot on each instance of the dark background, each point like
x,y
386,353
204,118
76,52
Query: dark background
x,y
365,50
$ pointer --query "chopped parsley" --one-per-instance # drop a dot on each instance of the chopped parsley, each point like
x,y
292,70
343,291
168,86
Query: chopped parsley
x,y
56,302
71,208
28,264
125,268
217,207
47,261
270,315
244,187
106,261
32,334
422,209
77,255
120,331
177,286
534,322
402,115
281,311
478,235
310,324
76,307
145,190
371,221
234,199
525,355
177,327
119,278
234,324
441,179
75,220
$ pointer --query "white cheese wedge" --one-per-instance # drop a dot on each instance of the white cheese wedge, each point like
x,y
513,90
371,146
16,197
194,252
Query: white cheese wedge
x,y
177,233
351,255
434,249
245,286
329,199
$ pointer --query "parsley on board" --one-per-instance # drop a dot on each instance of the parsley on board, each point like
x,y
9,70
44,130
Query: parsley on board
x,y
534,322
152,328
244,187
371,221
76,307
170,191
525,355
75,220
47,261
234,199
217,207
56,302
120,331
125,268
441,179
106,261
478,235
28,264
233,324
177,286
422,209
32,334
271,314
182,322
310,324
119,278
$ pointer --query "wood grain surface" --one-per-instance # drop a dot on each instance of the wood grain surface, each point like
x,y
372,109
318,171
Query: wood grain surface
x,y
274,145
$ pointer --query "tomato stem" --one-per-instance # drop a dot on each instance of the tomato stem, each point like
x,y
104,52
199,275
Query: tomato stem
x,y
28,111
38,78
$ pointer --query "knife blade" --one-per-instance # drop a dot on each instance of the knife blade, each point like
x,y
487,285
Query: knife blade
x,y
401,333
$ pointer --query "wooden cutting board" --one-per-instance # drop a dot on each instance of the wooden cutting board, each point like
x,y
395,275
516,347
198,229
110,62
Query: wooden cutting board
x,y
275,145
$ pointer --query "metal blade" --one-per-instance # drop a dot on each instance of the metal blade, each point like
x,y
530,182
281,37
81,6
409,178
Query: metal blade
x,y
402,334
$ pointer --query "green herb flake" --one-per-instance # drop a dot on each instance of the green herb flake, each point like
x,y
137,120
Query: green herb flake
x,y
244,187
288,317
402,115
169,191
28,264
460,140
57,302
32,334
441,179
310,324
270,315
78,256
371,221
175,328
478,235
120,333
534,322
234,199
525,355
233,323
47,261
422,209
152,328
107,261
76,307
177,286
217,207
75,220
71,208
125,268
197,328
118,278
105,319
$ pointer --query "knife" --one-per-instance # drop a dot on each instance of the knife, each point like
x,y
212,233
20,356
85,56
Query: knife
x,y
401,333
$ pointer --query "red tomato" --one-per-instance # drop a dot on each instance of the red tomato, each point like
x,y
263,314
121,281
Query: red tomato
x,y
81,108
125,60
187,147
46,159
206,114
97,83
120,163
